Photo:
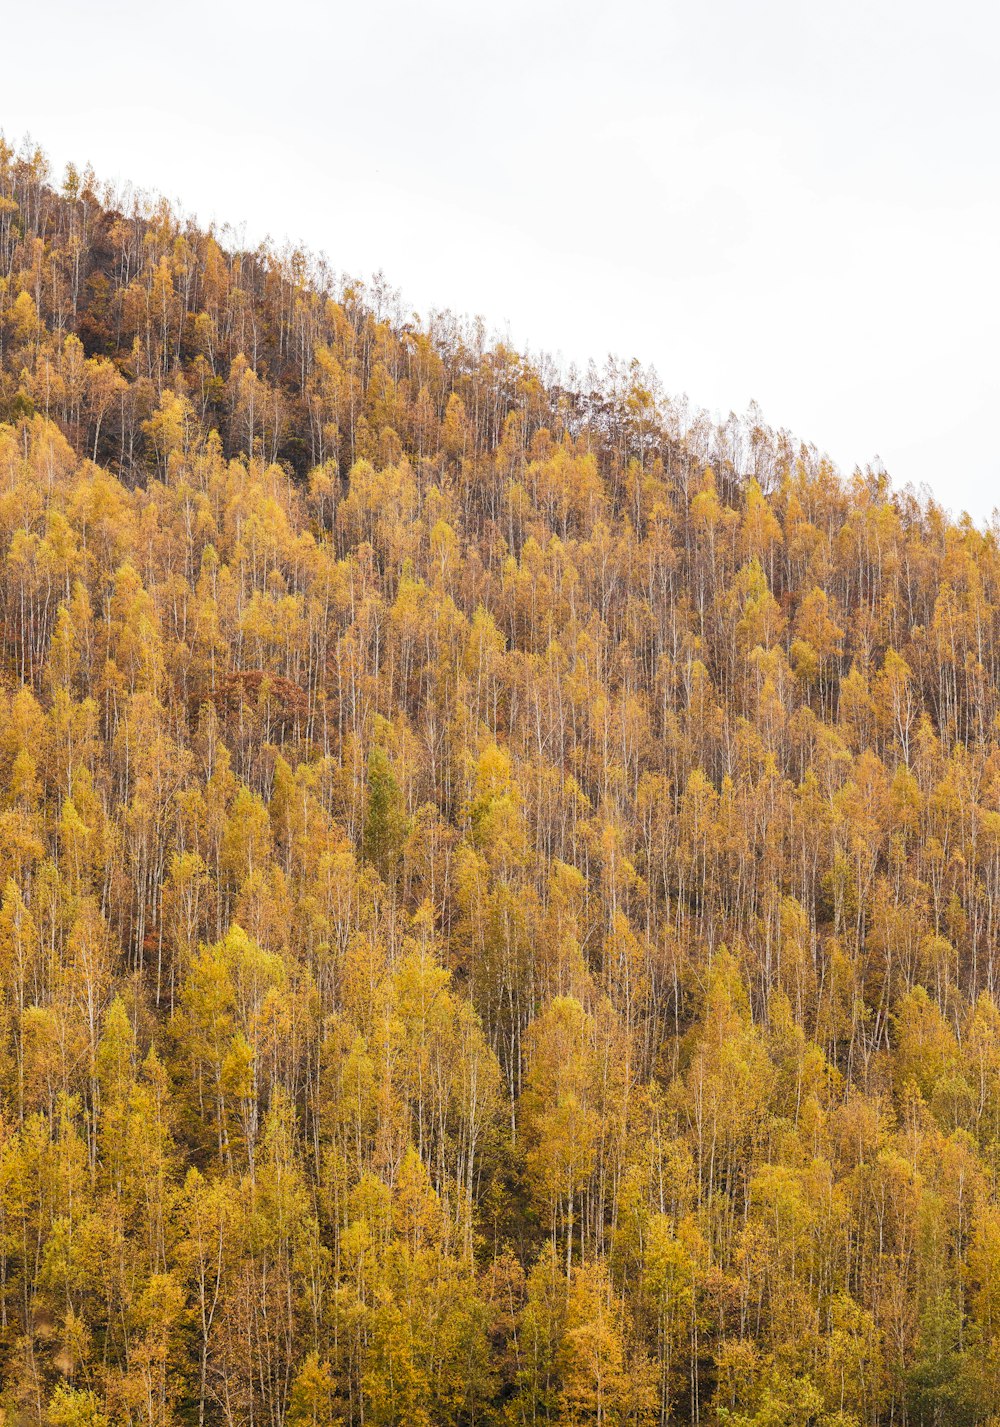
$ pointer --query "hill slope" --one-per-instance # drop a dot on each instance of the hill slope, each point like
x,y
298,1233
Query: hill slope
x,y
499,889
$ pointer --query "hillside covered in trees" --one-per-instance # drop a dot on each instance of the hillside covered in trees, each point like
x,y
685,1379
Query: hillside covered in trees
x,y
500,876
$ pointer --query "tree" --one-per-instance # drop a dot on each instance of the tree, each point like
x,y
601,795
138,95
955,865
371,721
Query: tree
x,y
385,825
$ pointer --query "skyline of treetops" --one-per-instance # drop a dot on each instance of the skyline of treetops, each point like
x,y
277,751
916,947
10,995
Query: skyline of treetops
x,y
499,875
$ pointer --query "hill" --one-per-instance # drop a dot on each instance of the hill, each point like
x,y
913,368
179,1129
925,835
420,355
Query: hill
x,y
500,875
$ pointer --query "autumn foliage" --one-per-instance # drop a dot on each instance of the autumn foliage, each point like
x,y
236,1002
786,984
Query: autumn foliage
x,y
500,875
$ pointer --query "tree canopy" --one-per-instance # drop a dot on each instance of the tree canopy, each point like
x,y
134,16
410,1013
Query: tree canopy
x,y
499,875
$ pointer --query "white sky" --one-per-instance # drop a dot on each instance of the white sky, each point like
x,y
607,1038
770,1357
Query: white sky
x,y
788,201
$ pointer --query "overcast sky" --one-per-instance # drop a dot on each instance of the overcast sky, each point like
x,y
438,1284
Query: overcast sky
x,y
786,201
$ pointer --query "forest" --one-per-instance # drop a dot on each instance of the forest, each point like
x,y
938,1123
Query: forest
x,y
499,874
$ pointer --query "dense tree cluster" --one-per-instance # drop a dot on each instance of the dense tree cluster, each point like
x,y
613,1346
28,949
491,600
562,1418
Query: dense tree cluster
x,y
500,876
